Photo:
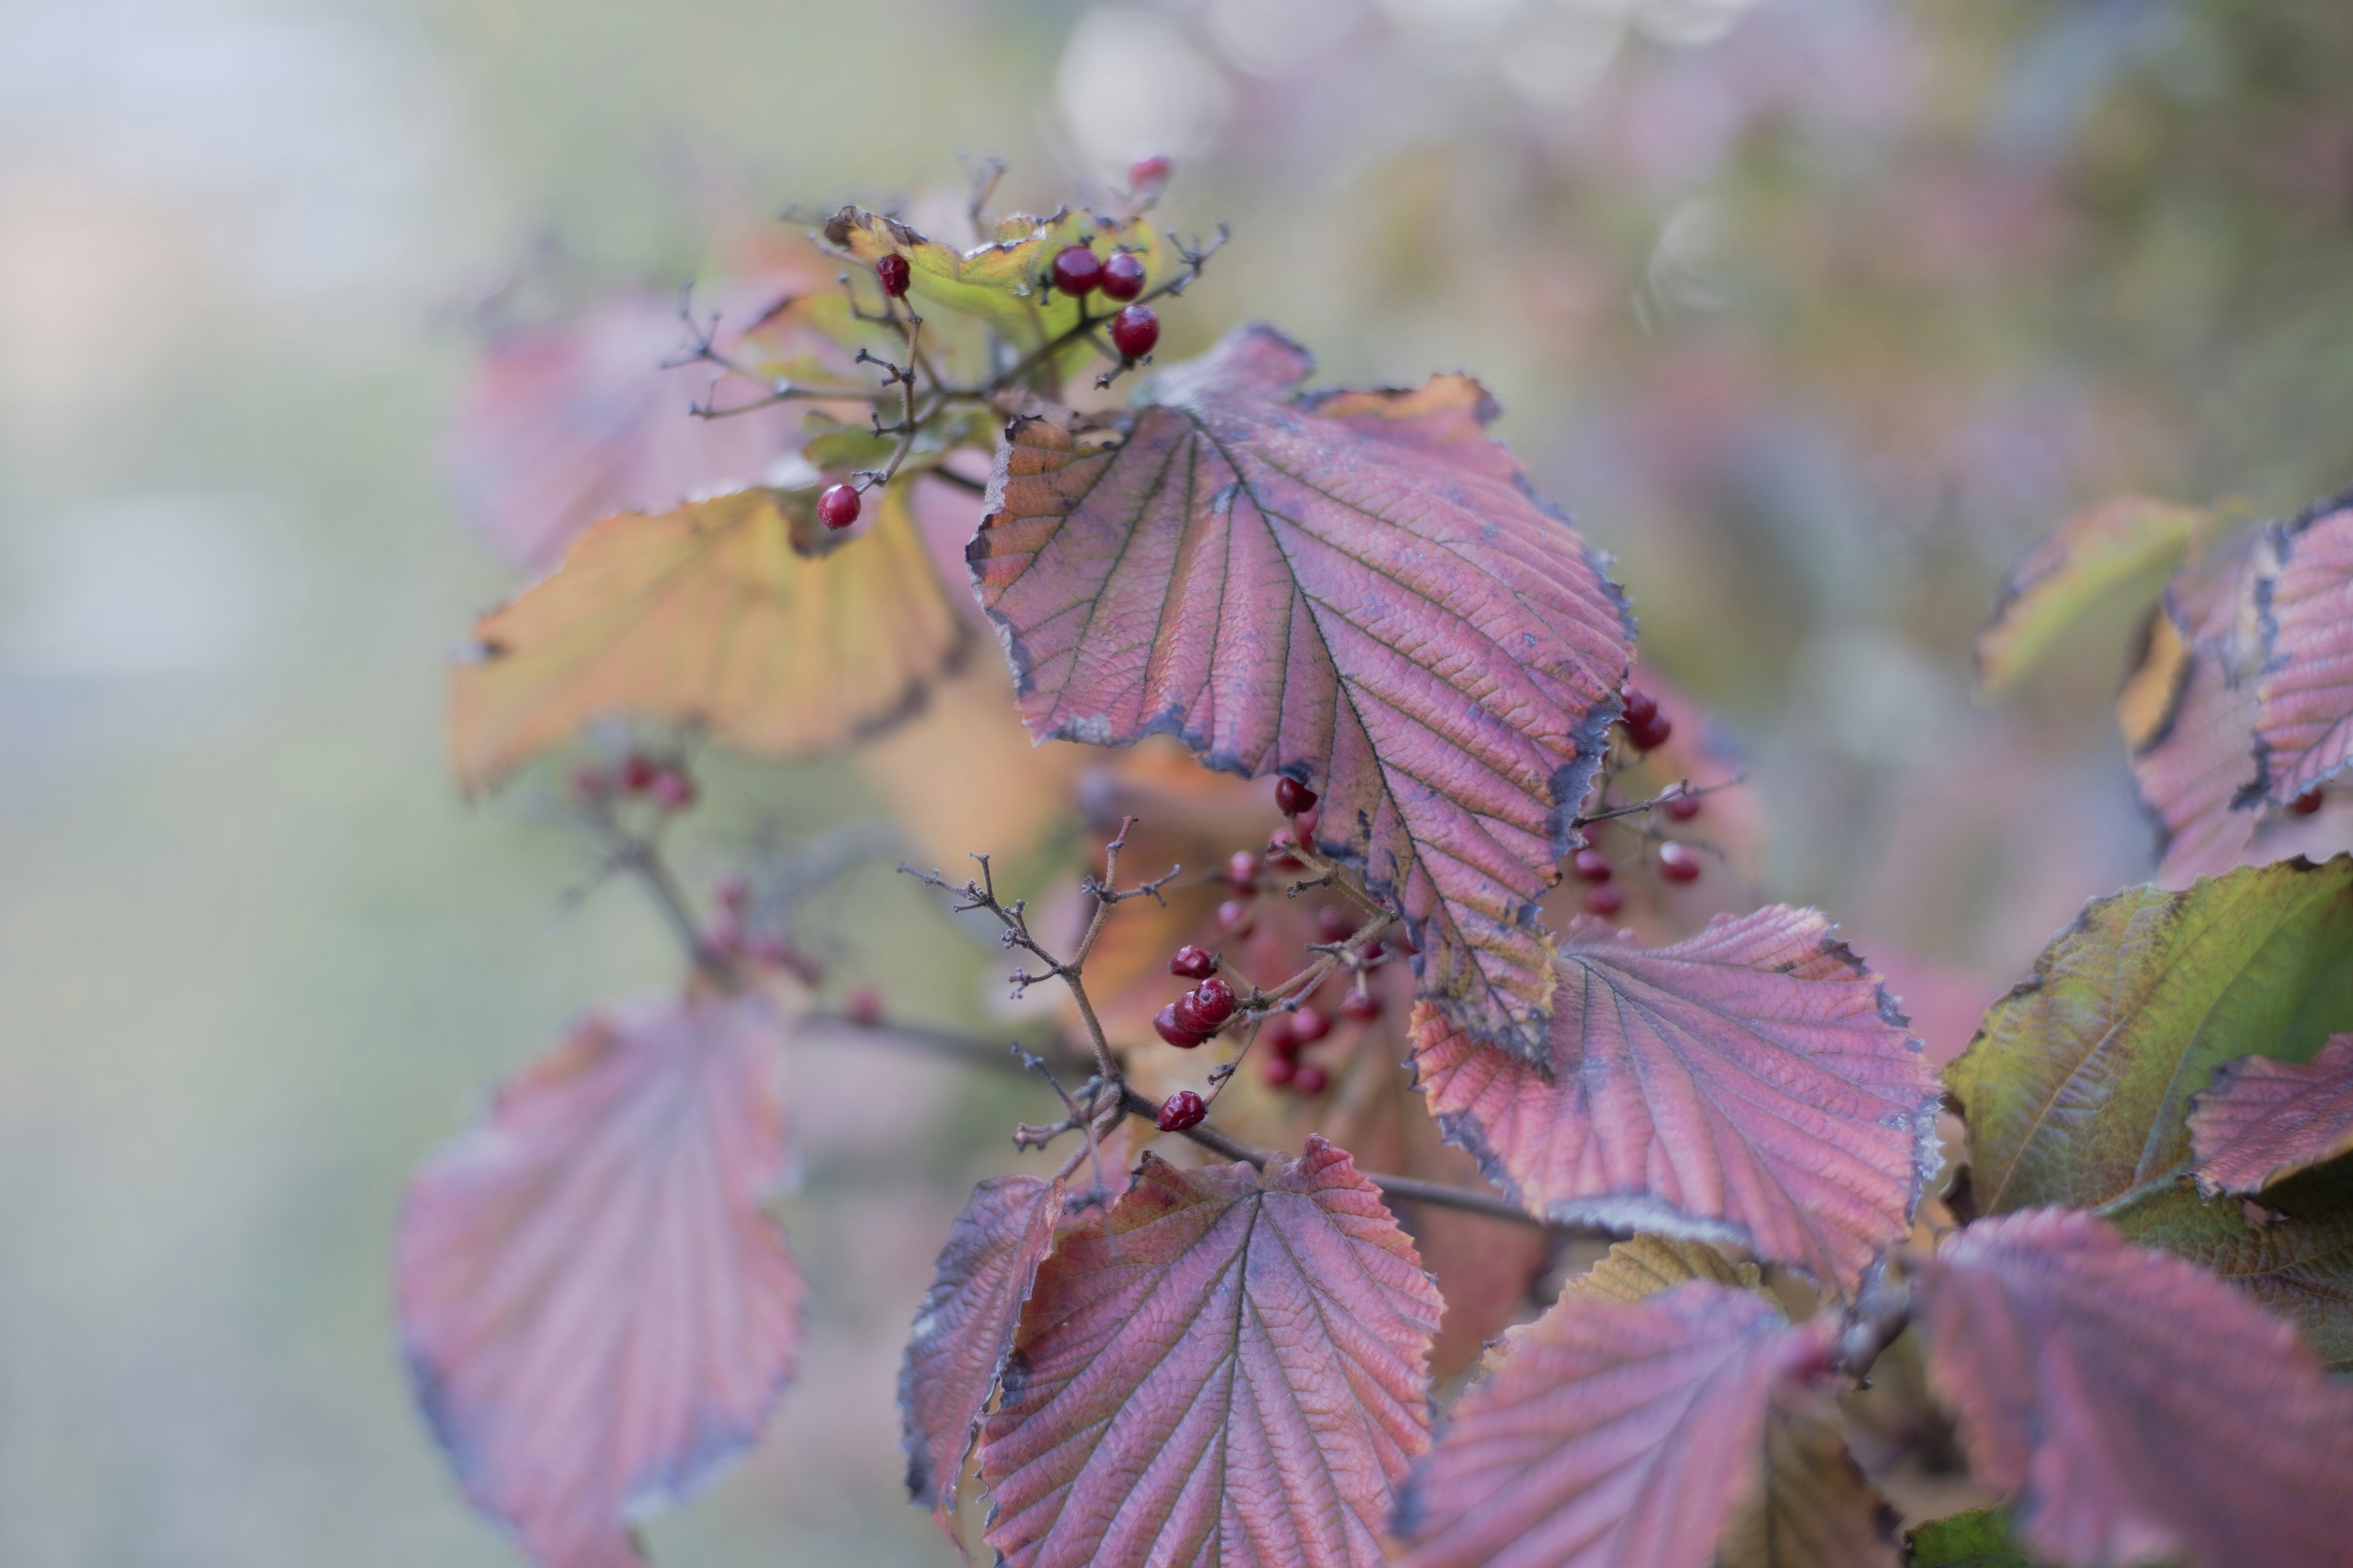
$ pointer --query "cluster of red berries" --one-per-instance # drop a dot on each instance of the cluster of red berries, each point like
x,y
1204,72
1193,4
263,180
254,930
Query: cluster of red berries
x,y
668,784
727,937
1200,1012
1647,729
1078,271
1677,863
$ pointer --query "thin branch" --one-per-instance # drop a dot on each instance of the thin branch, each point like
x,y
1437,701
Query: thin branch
x,y
1682,789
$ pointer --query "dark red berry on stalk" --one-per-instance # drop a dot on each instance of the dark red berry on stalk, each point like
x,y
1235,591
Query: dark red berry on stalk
x,y
1279,1070
1333,923
2306,803
1123,275
1242,870
1591,866
864,1007
1677,863
1275,1035
1292,797
1683,808
1135,331
1182,1110
1653,735
1308,1026
1192,963
837,508
1170,1028
639,772
673,789
1311,1080
1077,270
1213,1001
1641,709
1361,1005
1147,172
894,275
1605,901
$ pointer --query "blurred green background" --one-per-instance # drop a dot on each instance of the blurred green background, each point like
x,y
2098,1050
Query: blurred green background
x,y
1813,311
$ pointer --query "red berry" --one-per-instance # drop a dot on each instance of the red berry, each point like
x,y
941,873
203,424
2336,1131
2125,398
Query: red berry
x,y
1683,808
1213,1001
1243,870
1677,863
1232,914
673,789
837,508
1651,734
864,1007
1305,824
895,274
1311,1080
1192,963
1641,709
1169,1028
1182,1110
1292,797
2306,803
1604,901
1149,171
1591,866
1275,1035
1279,1070
1077,270
1123,275
1308,1026
1333,923
639,772
1361,1005
1135,331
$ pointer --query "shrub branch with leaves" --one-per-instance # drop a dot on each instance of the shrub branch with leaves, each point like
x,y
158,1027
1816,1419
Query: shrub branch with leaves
x,y
1231,1346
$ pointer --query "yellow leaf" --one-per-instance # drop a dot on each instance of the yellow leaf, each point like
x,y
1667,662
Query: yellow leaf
x,y
737,615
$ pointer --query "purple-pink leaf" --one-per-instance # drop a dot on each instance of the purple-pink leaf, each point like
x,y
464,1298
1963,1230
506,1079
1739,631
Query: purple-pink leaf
x,y
1611,1434
2261,1120
966,1326
1228,1370
2133,1405
1356,590
2304,714
596,1309
1752,1083
576,420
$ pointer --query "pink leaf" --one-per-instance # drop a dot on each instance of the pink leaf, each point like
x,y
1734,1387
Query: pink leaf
x,y
2261,1120
1356,590
1751,1084
1229,1370
575,420
966,1326
2136,1406
1611,1434
596,1309
2304,717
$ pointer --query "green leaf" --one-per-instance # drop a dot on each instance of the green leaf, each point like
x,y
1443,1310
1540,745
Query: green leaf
x,y
2298,1263
1977,1539
2078,1089
2069,572
1002,283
